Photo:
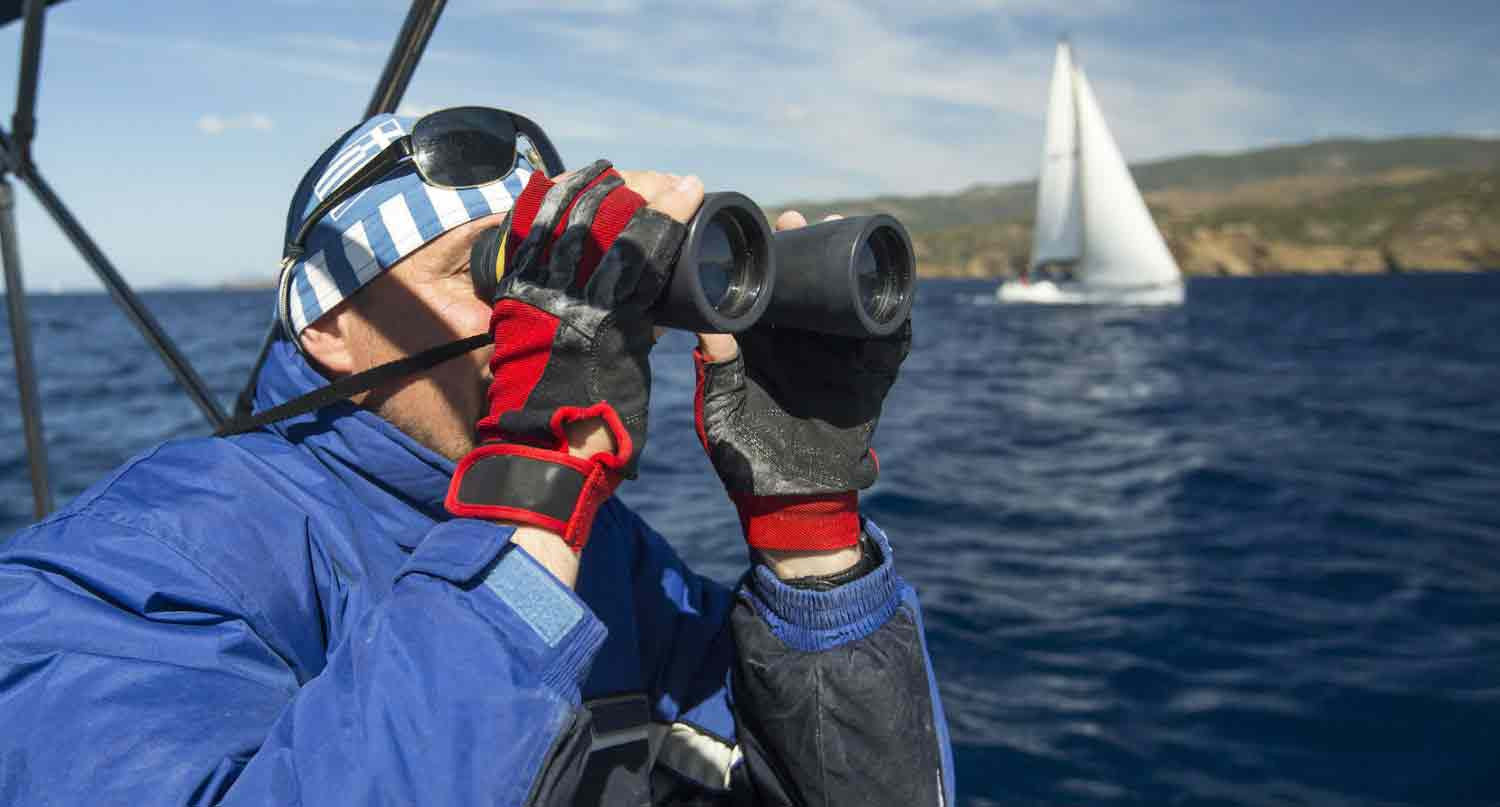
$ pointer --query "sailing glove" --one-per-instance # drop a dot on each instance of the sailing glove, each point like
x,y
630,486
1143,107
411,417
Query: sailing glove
x,y
584,258
787,425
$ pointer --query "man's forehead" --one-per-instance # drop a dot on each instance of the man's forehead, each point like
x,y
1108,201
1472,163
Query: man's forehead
x,y
451,249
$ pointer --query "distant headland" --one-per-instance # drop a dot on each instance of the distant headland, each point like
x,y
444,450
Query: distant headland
x,y
1333,206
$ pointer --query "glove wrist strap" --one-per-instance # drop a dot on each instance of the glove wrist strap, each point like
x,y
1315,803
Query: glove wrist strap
x,y
816,522
552,490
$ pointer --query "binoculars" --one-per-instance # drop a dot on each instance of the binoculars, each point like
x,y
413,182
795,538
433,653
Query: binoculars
x,y
850,277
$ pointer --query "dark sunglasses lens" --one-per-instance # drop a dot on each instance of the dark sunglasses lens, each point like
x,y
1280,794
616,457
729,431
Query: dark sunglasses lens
x,y
464,146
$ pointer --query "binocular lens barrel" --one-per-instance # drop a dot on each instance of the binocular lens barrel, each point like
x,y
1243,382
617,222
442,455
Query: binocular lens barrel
x,y
725,271
720,283
852,277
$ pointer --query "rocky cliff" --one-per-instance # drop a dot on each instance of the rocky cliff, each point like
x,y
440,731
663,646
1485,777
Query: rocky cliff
x,y
1430,204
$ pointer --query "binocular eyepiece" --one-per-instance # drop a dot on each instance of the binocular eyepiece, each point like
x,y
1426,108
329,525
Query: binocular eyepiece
x,y
851,277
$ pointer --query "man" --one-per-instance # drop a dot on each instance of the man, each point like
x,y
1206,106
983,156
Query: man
x,y
295,616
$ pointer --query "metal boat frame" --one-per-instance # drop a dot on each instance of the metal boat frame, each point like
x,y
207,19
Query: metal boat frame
x,y
15,159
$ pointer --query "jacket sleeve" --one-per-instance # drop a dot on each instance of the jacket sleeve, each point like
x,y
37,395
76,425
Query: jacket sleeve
x,y
129,675
834,693
783,696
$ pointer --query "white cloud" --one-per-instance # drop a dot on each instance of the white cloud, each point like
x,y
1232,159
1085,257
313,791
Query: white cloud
x,y
93,36
856,91
415,110
337,67
880,94
219,124
330,43
854,96
611,8
323,57
789,113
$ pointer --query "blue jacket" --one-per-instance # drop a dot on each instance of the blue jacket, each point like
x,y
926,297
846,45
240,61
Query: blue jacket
x,y
289,617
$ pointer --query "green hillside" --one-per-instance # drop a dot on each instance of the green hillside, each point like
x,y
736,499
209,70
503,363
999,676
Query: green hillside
x,y
986,203
1362,217
1323,158
980,204
1429,202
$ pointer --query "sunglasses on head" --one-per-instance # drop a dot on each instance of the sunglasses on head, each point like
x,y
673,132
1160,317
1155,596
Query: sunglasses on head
x,y
454,148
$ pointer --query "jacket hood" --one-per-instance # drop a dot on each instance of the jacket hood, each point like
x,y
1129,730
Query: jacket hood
x,y
352,440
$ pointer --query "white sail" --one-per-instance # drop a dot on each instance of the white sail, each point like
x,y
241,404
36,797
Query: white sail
x,y
1056,236
1122,245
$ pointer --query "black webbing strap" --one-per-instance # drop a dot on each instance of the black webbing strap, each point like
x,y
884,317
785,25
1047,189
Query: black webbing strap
x,y
355,384
521,483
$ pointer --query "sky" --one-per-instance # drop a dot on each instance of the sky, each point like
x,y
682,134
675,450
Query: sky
x,y
176,131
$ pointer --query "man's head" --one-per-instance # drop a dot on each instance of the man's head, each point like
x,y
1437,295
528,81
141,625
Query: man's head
x,y
385,276
425,300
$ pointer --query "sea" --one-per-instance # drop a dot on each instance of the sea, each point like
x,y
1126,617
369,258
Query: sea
x,y
1243,551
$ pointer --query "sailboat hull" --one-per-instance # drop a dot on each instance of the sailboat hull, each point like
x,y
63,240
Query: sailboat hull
x,y
1091,217
1045,292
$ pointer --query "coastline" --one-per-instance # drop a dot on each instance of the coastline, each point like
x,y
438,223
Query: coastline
x,y
978,271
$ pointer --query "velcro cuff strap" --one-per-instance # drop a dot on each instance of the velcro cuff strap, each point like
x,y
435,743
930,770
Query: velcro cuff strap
x,y
799,523
549,489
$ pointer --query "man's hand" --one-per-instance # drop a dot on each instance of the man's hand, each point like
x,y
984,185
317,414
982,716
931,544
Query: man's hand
x,y
586,255
786,417
679,197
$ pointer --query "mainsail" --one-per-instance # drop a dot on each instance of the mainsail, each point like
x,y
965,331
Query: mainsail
x,y
1056,237
1089,210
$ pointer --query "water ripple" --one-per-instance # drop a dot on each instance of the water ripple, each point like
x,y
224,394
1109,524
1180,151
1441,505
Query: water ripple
x,y
1246,551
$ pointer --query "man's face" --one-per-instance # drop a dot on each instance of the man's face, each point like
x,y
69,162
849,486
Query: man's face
x,y
425,300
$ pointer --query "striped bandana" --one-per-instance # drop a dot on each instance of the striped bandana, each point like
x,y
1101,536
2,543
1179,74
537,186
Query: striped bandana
x,y
359,239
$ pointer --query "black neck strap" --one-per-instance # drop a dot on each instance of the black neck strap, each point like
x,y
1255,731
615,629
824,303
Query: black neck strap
x,y
355,384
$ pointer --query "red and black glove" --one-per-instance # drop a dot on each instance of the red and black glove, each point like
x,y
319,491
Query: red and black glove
x,y
787,425
584,260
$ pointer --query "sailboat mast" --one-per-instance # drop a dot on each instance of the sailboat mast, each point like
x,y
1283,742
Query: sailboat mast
x,y
1083,242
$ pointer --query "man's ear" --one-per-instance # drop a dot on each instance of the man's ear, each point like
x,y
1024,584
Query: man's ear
x,y
327,342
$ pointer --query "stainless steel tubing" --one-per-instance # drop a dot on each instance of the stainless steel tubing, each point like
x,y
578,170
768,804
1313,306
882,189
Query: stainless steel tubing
x,y
20,345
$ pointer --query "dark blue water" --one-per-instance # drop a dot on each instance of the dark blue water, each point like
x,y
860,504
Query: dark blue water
x,y
1246,551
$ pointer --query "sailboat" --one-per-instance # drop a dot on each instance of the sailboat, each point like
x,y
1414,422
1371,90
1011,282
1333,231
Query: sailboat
x,y
1094,240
